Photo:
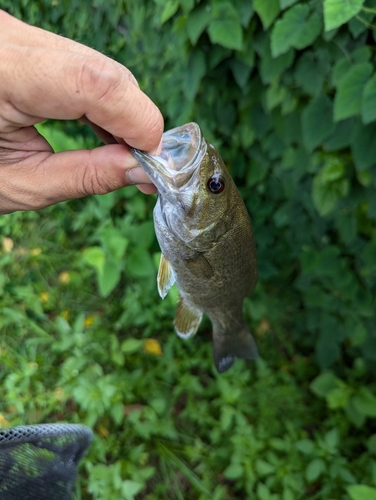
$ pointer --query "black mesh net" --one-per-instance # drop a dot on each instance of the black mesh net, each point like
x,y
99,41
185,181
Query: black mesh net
x,y
39,462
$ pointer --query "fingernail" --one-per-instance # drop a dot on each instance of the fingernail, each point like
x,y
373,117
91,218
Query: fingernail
x,y
157,150
137,176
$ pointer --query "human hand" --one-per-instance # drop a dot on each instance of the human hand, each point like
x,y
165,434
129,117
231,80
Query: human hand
x,y
43,75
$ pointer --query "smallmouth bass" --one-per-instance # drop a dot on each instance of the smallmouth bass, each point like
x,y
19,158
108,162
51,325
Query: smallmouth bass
x,y
206,238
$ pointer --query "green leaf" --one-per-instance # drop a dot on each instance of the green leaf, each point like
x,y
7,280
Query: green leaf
x,y
227,415
195,71
233,471
338,398
353,415
109,277
314,469
130,489
360,333
264,468
341,68
140,263
341,136
364,145
241,72
348,99
306,446
95,257
286,3
274,96
114,243
267,11
329,186
369,101
129,346
338,12
226,32
271,69
59,140
142,235
361,492
246,11
332,438
170,8
263,492
326,197
362,54
197,21
317,121
365,402
288,494
187,5
365,179
297,28
308,74
357,27
323,383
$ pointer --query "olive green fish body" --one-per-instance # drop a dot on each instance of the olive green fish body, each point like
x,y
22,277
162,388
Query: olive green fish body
x,y
206,239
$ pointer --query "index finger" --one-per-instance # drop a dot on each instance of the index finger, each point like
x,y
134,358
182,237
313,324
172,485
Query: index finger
x,y
19,33
40,83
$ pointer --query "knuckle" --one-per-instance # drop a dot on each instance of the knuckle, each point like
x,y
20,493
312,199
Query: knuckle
x,y
100,77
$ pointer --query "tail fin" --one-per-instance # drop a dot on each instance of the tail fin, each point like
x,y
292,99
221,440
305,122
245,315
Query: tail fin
x,y
227,347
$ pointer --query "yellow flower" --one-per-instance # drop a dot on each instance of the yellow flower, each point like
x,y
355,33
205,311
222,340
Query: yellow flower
x,y
8,245
102,431
44,296
36,251
65,314
3,421
59,393
263,327
89,320
64,277
152,346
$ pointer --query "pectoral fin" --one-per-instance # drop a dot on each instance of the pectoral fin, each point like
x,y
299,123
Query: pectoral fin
x,y
165,278
187,319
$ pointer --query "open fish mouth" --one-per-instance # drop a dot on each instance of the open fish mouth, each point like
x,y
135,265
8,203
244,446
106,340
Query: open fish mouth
x,y
182,151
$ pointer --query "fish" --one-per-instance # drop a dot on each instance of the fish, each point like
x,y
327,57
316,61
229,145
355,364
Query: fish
x,y
206,240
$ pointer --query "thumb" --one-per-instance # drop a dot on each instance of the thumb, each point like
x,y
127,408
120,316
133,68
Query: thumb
x,y
45,178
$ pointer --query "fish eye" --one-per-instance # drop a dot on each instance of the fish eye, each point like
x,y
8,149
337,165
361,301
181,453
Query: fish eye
x,y
216,184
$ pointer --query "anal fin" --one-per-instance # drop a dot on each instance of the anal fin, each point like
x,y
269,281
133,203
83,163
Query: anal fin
x,y
187,319
165,278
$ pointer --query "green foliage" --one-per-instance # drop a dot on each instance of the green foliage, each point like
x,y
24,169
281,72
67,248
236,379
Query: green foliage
x,y
361,492
286,91
297,28
338,12
350,90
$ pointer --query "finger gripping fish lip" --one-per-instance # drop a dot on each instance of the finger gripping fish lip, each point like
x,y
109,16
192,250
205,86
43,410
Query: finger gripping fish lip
x,y
181,149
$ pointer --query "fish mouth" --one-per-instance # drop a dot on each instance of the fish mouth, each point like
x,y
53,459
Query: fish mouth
x,y
173,170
